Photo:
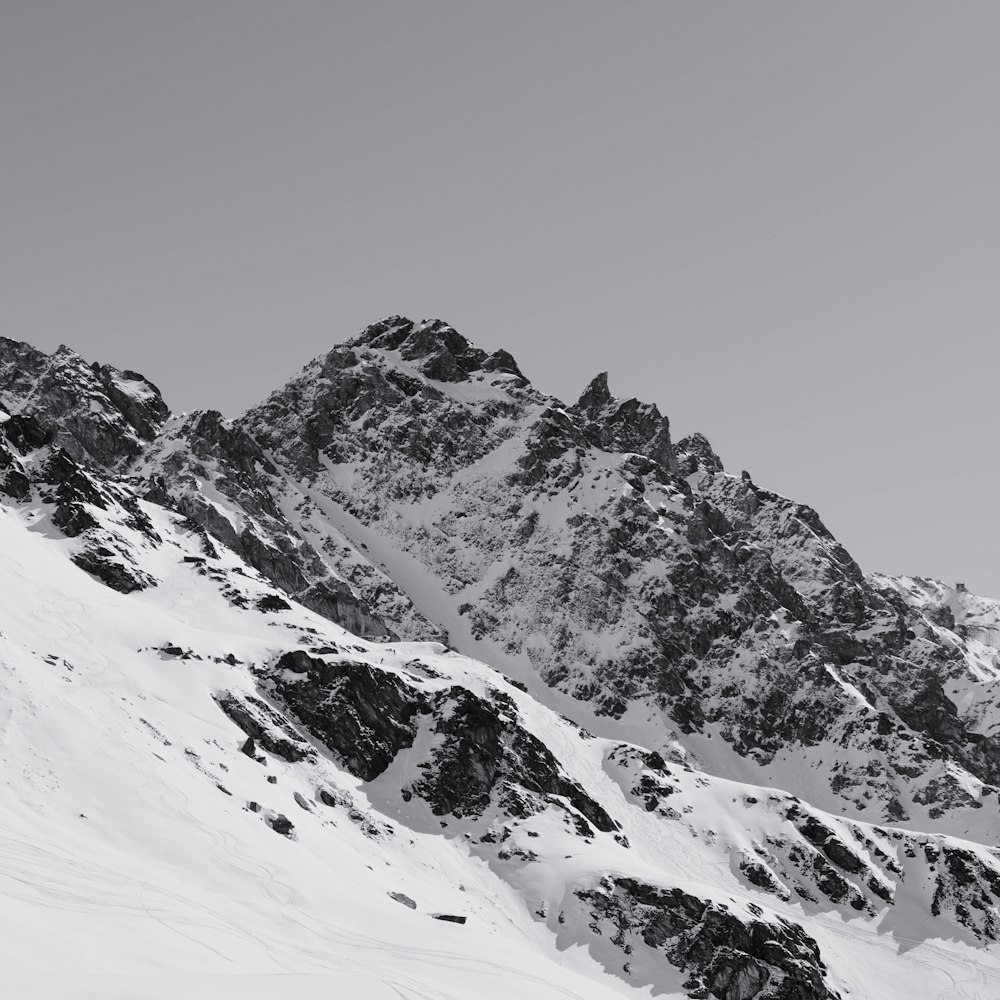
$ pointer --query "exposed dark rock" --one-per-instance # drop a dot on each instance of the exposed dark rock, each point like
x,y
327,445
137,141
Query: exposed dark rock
x,y
733,958
694,453
625,425
443,353
111,570
485,748
272,602
930,710
363,715
826,840
14,483
281,824
26,434
553,450
136,398
261,722
99,415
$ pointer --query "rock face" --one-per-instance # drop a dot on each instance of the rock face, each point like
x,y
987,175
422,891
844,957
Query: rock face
x,y
411,487
625,426
727,957
364,716
483,756
486,756
263,725
101,416
215,473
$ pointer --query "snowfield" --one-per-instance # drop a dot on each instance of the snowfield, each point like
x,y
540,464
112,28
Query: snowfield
x,y
130,864
122,855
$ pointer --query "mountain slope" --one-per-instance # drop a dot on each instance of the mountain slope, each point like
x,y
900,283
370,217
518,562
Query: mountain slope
x,y
201,610
583,547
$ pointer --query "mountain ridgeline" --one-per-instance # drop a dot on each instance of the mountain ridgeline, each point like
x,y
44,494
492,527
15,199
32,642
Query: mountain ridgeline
x,y
662,637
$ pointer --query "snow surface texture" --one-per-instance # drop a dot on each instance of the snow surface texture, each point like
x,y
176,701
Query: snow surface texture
x,y
211,787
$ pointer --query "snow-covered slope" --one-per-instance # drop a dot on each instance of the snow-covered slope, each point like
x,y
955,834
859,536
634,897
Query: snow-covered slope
x,y
130,843
202,776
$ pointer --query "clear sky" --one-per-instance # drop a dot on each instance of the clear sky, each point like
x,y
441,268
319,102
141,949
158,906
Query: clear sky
x,y
779,221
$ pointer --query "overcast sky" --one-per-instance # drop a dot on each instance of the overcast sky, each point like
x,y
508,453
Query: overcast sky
x,y
778,221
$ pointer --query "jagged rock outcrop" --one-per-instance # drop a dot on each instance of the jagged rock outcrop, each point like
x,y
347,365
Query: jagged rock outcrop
x,y
438,349
724,956
263,725
483,754
694,454
100,415
14,482
365,716
486,755
624,426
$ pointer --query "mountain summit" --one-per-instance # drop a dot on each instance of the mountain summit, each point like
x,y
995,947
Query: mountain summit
x,y
411,638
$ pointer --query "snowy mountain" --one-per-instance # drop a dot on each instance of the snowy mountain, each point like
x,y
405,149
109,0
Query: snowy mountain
x,y
412,639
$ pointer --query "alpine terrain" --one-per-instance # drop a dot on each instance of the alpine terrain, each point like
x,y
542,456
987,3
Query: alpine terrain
x,y
415,682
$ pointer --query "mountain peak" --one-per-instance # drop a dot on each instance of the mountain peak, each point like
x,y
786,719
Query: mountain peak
x,y
694,452
625,424
393,332
596,396
440,351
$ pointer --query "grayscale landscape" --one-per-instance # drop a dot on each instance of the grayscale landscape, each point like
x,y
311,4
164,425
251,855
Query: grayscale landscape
x,y
405,660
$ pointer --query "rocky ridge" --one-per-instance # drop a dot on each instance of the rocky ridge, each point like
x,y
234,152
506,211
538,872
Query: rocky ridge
x,y
586,547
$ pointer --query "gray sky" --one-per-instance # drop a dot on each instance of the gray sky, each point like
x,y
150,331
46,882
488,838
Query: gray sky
x,y
779,221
